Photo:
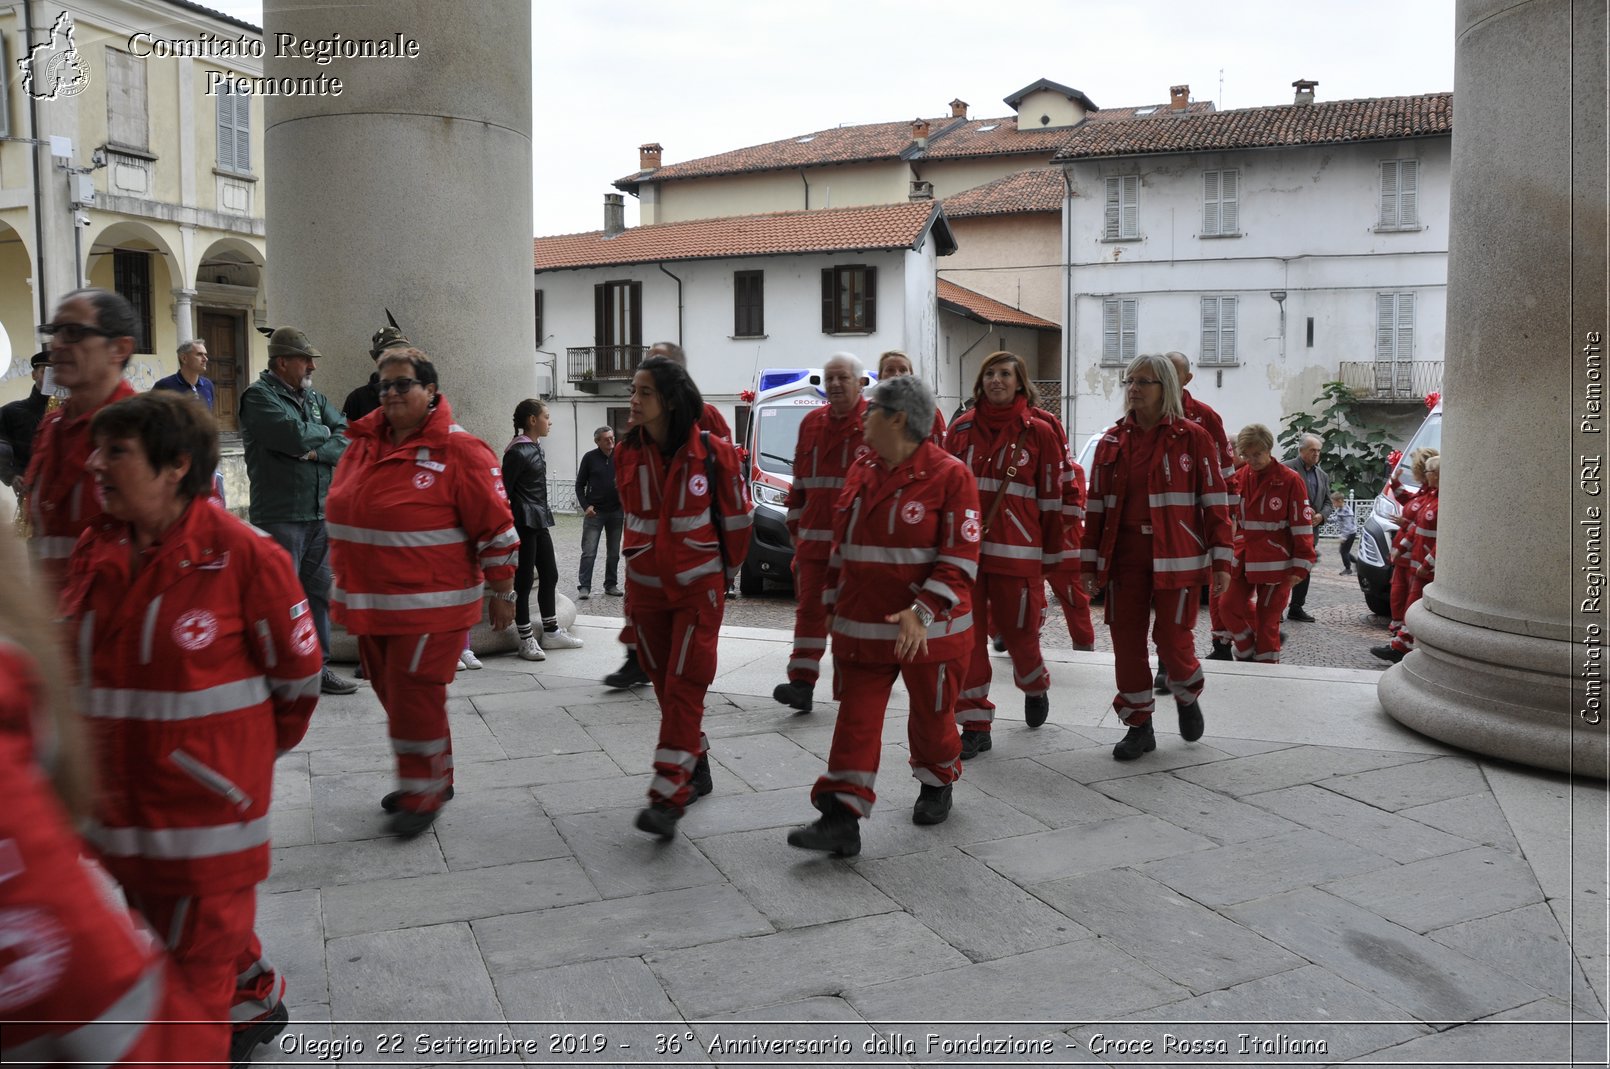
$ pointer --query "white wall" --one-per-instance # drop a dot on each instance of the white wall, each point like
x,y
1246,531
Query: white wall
x,y
1308,222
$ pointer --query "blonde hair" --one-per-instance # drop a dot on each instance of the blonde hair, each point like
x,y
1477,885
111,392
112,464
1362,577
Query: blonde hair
x,y
884,356
1433,464
1162,368
1418,461
1254,434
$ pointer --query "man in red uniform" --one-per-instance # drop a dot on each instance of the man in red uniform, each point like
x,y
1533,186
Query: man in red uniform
x,y
829,442
1417,544
1274,548
91,340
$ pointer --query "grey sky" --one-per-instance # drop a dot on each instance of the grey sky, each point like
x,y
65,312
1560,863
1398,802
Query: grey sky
x,y
711,75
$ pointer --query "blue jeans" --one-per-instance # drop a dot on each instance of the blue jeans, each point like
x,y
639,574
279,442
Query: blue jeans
x,y
591,526
309,548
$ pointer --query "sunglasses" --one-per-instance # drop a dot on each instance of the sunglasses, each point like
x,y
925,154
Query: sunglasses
x,y
400,385
1140,382
73,333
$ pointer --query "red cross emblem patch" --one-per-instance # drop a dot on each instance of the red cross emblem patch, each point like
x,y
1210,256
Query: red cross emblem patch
x,y
196,629
913,511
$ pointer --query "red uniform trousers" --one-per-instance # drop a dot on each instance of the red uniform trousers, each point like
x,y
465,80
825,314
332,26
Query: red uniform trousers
x,y
410,674
1402,641
1131,599
1251,612
1402,574
1075,606
1221,629
676,647
862,691
1014,606
215,950
810,620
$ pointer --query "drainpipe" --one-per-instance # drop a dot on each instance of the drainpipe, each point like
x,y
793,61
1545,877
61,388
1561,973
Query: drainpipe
x,y
807,183
39,190
678,282
1070,391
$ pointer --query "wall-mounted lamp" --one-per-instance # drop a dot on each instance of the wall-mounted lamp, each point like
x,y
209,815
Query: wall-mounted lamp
x,y
1279,295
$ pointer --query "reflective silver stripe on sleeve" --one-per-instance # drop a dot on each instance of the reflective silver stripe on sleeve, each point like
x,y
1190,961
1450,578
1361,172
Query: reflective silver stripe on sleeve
x,y
1013,489
934,586
1303,529
510,559
819,482
736,523
440,599
888,554
1158,501
1213,499
937,629
53,547
814,534
369,536
641,524
1224,553
1180,564
506,537
108,703
1265,525
996,549
968,566
179,843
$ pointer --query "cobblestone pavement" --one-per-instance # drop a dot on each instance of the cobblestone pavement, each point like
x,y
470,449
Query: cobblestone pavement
x,y
1341,636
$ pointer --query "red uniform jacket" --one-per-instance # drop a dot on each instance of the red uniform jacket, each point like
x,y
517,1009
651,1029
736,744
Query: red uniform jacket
x,y
828,445
1276,535
1197,412
1423,536
201,667
416,529
1025,538
670,543
1187,497
1411,503
903,535
62,501
713,421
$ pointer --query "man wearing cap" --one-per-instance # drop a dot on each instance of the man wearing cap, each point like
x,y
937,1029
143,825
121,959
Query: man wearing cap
x,y
366,398
20,419
293,438
189,378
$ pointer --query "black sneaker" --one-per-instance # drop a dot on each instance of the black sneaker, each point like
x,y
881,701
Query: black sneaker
x,y
244,1041
330,683
613,592
1221,652
409,825
1389,653
836,831
974,743
933,805
1160,684
1299,616
393,801
702,783
1036,707
584,595
1139,740
628,675
796,694
1191,723
659,819
999,643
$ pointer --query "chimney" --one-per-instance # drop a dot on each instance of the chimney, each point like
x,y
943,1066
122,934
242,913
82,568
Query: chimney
x,y
958,108
614,214
919,132
1179,97
648,156
1305,91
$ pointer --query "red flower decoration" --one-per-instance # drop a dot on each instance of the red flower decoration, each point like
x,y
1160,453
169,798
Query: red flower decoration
x,y
1393,457
746,396
1432,398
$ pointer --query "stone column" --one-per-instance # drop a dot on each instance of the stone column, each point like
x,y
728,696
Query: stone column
x,y
1513,619
184,317
408,190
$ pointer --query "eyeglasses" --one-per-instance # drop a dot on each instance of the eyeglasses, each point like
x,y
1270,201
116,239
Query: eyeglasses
x,y
880,406
1140,382
73,333
400,385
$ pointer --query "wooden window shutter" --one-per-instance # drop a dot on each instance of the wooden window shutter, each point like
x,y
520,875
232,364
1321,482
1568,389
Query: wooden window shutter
x,y
1210,203
740,304
1210,330
1130,225
637,314
870,274
1385,325
830,292
1389,193
1405,327
1230,203
226,127
539,317
243,132
1408,193
601,332
1227,329
1130,326
1114,210
1110,340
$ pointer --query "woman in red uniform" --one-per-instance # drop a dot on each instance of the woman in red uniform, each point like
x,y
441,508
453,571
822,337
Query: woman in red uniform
x,y
1157,526
899,586
196,643
419,525
1273,552
1414,553
1018,456
687,530
1411,502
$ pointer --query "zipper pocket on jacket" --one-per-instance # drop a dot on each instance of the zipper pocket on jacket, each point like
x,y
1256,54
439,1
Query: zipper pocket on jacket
x,y
211,779
1028,539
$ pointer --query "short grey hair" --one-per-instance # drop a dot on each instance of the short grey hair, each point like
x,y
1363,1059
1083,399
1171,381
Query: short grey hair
x,y
908,394
857,369
600,432
186,346
1314,438
1162,369
671,351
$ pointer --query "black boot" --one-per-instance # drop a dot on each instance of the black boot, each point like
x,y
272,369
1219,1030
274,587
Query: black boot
x,y
796,694
1389,653
1036,707
974,743
999,643
836,831
1160,684
406,824
1191,723
393,801
628,675
933,805
244,1041
702,783
1139,740
1221,652
659,819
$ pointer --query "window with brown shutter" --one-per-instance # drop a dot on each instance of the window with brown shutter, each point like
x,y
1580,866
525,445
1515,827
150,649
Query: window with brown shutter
x,y
748,304
539,318
849,299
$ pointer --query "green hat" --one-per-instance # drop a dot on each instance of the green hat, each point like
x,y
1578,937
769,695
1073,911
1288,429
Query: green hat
x,y
387,338
288,341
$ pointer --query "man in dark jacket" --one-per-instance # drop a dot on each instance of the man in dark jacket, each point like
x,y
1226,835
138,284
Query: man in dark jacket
x,y
1318,483
366,398
293,438
601,504
20,419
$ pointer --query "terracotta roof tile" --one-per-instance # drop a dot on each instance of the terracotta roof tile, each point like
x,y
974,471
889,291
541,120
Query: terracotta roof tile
x,y
988,309
1325,122
949,138
884,226
1036,190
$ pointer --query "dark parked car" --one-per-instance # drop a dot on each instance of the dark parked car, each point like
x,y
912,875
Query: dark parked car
x,y
1373,555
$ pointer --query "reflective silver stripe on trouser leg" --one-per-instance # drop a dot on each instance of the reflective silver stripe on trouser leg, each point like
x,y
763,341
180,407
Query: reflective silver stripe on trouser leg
x,y
644,654
251,1009
1022,608
662,787
419,651
1179,612
181,909
682,658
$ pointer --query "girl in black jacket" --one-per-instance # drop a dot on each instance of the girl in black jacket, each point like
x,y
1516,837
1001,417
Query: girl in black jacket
x,y
525,477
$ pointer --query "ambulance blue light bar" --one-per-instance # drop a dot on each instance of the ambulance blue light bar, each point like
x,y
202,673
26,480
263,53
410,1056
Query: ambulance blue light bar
x,y
783,376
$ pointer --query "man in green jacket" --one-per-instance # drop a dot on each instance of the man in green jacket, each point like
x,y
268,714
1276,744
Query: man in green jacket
x,y
294,437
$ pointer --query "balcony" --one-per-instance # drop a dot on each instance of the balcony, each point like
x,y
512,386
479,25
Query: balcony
x,y
597,364
1382,382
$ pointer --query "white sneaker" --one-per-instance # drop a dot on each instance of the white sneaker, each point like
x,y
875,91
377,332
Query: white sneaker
x,y
531,650
559,640
467,659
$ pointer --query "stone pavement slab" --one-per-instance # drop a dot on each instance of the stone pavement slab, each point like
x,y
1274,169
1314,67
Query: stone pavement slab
x,y
1476,817
1081,848
419,901
1291,766
1095,763
975,817
623,862
1443,890
1244,871
1564,829
1414,784
329,864
1394,835
768,761
1504,1039
297,948
980,913
1584,925
1046,795
525,729
1528,944
790,886
1185,942
725,811
530,771
1196,809
377,978
293,787
480,829
584,796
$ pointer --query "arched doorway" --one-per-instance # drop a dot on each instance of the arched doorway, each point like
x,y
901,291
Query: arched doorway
x,y
229,293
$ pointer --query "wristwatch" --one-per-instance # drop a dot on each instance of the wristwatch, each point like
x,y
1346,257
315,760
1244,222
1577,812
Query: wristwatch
x,y
924,613
504,595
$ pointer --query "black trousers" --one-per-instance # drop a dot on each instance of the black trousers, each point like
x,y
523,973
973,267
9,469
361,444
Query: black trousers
x,y
536,560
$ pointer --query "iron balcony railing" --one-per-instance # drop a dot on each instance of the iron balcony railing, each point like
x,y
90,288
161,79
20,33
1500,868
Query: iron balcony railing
x,y
605,363
1392,381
